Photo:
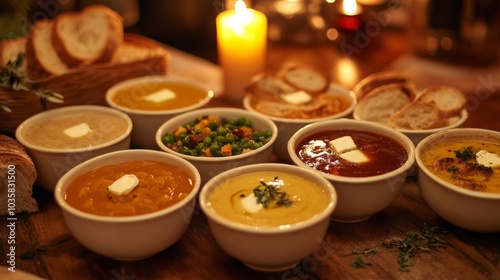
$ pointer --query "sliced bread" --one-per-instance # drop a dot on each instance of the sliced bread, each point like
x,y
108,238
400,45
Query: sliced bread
x,y
374,81
383,101
42,58
10,49
304,78
129,52
417,116
448,100
268,87
89,36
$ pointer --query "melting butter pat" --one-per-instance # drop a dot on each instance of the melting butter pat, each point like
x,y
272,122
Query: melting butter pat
x,y
78,130
347,149
250,204
160,96
343,144
488,159
297,97
355,156
124,184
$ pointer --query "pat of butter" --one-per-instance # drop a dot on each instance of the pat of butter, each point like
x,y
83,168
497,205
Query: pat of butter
x,y
488,159
343,144
355,156
124,184
250,204
160,96
78,130
297,97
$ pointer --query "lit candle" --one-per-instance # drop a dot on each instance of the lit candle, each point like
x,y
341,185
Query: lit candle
x,y
350,15
241,41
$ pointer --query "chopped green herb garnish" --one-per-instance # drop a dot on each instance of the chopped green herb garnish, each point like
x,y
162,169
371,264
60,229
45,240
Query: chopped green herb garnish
x,y
360,263
366,252
465,154
453,169
268,192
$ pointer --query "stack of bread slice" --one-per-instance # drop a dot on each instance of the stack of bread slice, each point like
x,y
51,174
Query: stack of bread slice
x,y
391,98
74,40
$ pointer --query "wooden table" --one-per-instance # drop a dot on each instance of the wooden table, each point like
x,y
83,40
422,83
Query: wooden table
x,y
45,247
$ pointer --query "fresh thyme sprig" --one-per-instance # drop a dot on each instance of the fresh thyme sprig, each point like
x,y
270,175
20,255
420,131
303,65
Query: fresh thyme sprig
x,y
268,192
12,78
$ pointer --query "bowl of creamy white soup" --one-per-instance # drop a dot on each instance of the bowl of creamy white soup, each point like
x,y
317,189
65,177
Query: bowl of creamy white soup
x,y
59,139
269,216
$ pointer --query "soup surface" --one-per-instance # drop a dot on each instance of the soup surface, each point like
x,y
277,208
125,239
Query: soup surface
x,y
306,199
160,185
182,95
457,163
50,133
384,154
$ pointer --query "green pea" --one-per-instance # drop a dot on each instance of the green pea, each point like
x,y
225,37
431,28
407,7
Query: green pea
x,y
229,138
213,125
168,138
220,139
207,142
184,150
181,135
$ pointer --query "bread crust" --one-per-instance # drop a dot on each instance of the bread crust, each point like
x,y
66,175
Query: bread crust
x,y
13,154
114,38
374,81
312,82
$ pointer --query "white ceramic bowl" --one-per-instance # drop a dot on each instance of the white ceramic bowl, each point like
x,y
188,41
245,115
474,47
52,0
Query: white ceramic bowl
x,y
52,163
211,166
287,127
359,198
146,122
468,209
132,237
417,135
269,248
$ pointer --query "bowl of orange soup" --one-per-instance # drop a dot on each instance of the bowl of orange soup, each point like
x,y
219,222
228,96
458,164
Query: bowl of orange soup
x,y
459,177
269,216
136,203
151,100
59,139
367,163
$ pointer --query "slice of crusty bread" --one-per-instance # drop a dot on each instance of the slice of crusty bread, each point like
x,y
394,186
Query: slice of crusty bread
x,y
448,100
416,115
10,49
42,58
374,81
129,52
268,87
17,168
304,78
89,36
383,101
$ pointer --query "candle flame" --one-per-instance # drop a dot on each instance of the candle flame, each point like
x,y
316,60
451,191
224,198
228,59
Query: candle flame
x,y
243,17
350,7
240,7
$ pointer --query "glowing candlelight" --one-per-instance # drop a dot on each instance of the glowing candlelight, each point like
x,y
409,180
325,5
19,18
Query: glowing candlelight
x,y
350,15
242,42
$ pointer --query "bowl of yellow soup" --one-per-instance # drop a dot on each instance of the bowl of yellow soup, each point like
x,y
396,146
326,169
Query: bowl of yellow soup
x,y
59,139
337,102
459,177
269,216
367,163
218,139
129,205
151,100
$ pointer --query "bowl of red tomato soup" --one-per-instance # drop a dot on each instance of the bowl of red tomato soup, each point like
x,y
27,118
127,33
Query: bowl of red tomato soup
x,y
129,205
367,163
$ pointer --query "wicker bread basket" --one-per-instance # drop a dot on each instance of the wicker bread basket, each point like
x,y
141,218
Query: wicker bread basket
x,y
79,86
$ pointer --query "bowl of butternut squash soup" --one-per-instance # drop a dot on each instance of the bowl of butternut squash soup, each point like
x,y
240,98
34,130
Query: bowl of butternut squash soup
x,y
59,139
218,139
459,177
367,163
151,100
269,216
129,205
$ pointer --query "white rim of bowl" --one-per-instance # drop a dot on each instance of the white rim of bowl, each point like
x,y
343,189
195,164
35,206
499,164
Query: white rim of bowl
x,y
186,117
112,91
439,137
331,124
338,88
75,109
135,155
325,214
